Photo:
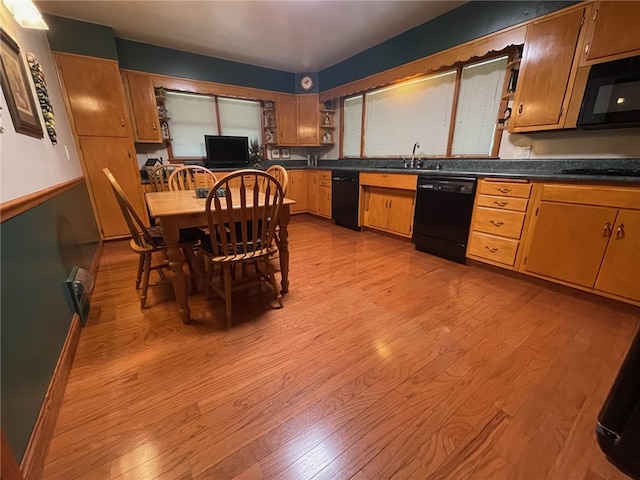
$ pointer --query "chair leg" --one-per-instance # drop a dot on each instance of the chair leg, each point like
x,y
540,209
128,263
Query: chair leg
x,y
227,293
145,279
274,283
140,267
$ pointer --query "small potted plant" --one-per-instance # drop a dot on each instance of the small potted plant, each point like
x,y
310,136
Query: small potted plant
x,y
255,151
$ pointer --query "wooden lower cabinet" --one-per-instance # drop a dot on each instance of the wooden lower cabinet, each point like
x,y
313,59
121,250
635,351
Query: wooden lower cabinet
x,y
620,270
324,201
569,241
390,210
312,191
298,190
117,155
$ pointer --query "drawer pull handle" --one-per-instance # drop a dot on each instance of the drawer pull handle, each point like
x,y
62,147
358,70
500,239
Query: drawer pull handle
x,y
504,190
122,122
496,223
620,232
501,204
606,231
154,127
491,249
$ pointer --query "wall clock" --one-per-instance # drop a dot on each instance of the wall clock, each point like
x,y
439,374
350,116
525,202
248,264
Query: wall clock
x,y
306,83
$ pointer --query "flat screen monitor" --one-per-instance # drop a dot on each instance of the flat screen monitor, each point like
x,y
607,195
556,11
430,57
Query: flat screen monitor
x,y
226,151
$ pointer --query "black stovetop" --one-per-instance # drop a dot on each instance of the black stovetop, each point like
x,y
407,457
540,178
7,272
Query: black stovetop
x,y
608,172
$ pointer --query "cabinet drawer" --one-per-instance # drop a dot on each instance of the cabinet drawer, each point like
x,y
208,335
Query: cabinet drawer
x,y
505,189
504,203
390,180
501,250
324,182
324,175
499,222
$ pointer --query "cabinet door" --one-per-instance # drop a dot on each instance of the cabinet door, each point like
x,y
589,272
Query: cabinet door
x,y
569,241
142,100
298,190
324,202
307,119
378,208
616,29
620,270
96,97
312,191
287,112
115,154
546,66
400,212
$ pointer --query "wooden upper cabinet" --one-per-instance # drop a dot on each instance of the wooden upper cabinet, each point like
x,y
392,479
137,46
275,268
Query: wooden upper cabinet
x,y
613,31
95,96
287,119
620,270
144,112
307,119
546,71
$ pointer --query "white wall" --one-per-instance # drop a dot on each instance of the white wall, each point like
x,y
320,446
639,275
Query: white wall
x,y
29,164
618,143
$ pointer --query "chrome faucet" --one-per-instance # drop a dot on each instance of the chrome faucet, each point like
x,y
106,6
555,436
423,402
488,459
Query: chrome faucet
x,y
413,155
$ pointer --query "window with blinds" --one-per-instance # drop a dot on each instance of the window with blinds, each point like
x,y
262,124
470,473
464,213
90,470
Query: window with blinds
x,y
481,87
239,117
352,133
418,111
191,118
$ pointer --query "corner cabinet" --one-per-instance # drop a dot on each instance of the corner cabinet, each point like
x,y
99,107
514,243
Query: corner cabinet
x,y
143,108
588,237
547,71
296,120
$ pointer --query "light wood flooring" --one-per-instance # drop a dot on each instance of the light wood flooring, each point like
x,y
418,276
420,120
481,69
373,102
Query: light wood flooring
x,y
384,363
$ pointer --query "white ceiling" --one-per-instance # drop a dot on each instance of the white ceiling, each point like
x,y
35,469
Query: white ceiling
x,y
295,36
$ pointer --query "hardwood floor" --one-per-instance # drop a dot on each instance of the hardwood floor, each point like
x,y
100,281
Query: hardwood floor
x,y
384,363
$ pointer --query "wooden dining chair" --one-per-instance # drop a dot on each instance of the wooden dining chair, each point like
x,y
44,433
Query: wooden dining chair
x,y
280,174
191,177
147,240
159,176
251,242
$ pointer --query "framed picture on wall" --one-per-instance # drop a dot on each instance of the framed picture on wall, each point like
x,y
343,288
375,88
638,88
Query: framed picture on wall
x,y
17,90
284,154
275,153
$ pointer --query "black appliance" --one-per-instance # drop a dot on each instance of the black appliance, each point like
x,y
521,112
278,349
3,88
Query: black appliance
x,y
345,191
443,215
607,172
612,95
618,427
226,151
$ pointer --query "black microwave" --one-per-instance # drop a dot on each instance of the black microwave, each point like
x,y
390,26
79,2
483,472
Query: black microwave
x,y
612,95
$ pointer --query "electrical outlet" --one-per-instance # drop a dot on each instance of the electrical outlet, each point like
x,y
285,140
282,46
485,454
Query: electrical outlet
x,y
523,152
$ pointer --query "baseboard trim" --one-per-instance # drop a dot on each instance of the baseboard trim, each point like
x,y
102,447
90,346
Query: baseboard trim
x,y
35,454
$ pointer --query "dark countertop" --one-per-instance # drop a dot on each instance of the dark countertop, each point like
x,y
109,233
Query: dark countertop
x,y
537,169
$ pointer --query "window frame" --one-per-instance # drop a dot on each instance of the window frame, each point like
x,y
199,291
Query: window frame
x,y
510,52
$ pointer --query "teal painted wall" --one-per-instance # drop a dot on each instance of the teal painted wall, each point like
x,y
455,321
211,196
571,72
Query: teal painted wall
x,y
82,38
468,22
166,61
39,247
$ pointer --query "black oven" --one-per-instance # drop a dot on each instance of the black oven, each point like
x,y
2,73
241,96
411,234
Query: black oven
x,y
612,95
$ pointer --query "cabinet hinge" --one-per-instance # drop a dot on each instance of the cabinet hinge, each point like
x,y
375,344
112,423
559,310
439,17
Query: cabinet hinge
x,y
537,211
595,15
525,260
561,111
582,20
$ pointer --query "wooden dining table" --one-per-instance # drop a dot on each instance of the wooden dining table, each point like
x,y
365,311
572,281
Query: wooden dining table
x,y
182,209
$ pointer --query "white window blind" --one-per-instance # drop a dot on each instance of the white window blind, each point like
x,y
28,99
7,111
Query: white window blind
x,y
240,118
418,111
192,117
480,91
352,126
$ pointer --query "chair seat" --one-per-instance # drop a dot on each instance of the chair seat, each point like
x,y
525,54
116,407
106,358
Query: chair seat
x,y
187,235
256,248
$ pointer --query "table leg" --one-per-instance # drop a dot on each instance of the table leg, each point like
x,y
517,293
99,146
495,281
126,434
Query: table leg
x,y
171,235
284,248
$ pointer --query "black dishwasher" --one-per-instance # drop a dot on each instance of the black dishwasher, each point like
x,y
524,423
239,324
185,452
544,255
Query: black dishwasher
x,y
345,191
443,215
